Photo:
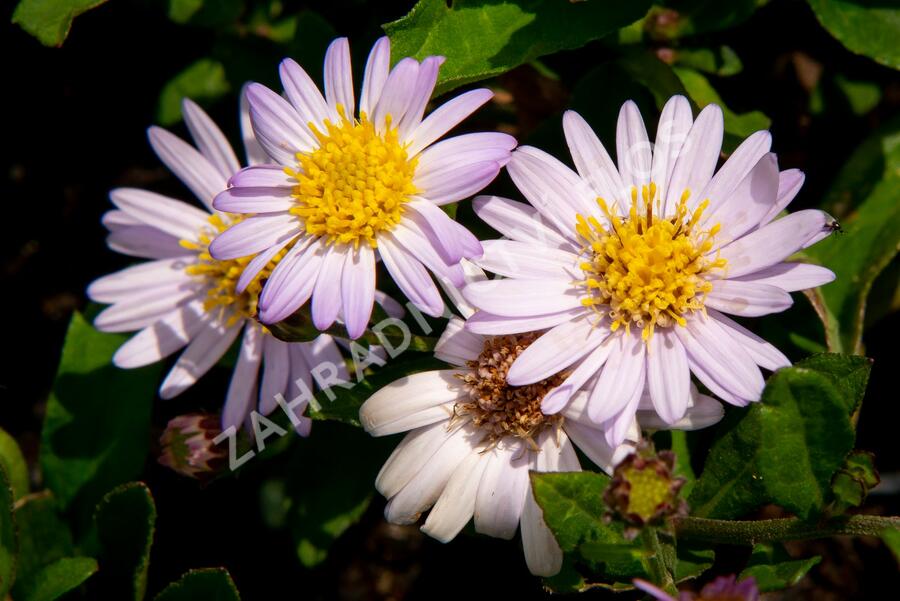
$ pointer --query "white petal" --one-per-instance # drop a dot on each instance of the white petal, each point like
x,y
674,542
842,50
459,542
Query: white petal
x,y
489,324
764,354
633,149
789,183
455,506
171,216
619,378
523,298
697,160
747,299
675,123
791,277
458,345
408,396
501,492
526,261
447,116
518,221
745,205
555,400
741,162
590,157
668,376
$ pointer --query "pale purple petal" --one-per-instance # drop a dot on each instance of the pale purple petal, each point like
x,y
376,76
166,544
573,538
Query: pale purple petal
x,y
522,298
703,412
276,373
209,139
358,289
590,157
162,338
339,76
201,354
186,162
556,183
452,183
704,375
621,374
387,410
526,261
774,242
519,221
254,200
675,123
140,278
262,176
277,125
668,376
555,400
620,426
410,276
697,160
445,118
421,94
254,234
457,345
171,216
141,309
408,238
501,492
747,299
556,350
741,162
764,354
653,591
144,241
789,183
552,202
242,388
396,95
633,149
292,281
791,277
451,239
492,325
253,150
257,263
304,95
745,205
116,219
465,150
378,66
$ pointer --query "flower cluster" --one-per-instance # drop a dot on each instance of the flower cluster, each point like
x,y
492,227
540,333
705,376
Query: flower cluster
x,y
613,284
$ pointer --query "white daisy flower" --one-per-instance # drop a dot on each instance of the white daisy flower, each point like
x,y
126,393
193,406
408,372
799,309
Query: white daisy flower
x,y
184,298
350,189
632,270
473,439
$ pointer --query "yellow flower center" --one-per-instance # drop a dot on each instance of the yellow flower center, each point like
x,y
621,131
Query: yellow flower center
x,y
222,276
648,491
355,183
647,270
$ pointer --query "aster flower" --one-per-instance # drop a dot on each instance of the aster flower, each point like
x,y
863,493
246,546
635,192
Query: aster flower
x,y
632,270
472,440
723,588
184,298
351,188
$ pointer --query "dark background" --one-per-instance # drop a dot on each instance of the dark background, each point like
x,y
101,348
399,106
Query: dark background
x,y
73,128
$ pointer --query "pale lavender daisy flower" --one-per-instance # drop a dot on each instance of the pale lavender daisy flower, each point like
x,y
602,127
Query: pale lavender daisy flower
x,y
183,298
472,440
632,270
348,190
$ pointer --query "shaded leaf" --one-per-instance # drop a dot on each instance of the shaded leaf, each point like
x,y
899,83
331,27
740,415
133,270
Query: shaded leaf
x,y
203,81
208,584
721,61
849,373
868,243
866,27
572,504
803,416
774,569
181,11
9,546
737,126
691,561
14,463
126,521
97,428
482,38
44,539
891,538
854,481
58,578
681,18
50,20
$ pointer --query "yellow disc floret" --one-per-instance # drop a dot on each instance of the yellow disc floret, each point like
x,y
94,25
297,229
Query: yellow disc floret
x,y
647,270
222,276
355,183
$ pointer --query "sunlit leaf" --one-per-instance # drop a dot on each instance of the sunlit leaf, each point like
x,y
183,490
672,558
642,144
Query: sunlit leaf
x,y
865,27
50,20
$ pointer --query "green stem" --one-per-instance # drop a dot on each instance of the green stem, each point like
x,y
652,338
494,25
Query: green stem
x,y
761,531
658,570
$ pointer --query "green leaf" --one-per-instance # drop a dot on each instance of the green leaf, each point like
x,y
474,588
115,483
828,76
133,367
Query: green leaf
x,y
202,81
891,538
681,18
862,96
854,481
50,20
737,127
58,578
869,242
848,373
126,521
483,38
97,429
572,504
803,415
208,584
866,27
327,497
774,569
181,11
721,61
14,463
44,538
691,561
9,545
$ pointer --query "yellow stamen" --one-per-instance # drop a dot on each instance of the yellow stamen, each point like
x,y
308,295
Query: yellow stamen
x,y
355,183
648,272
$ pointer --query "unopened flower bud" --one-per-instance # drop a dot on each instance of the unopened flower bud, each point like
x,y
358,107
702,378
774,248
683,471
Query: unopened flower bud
x,y
188,448
644,489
